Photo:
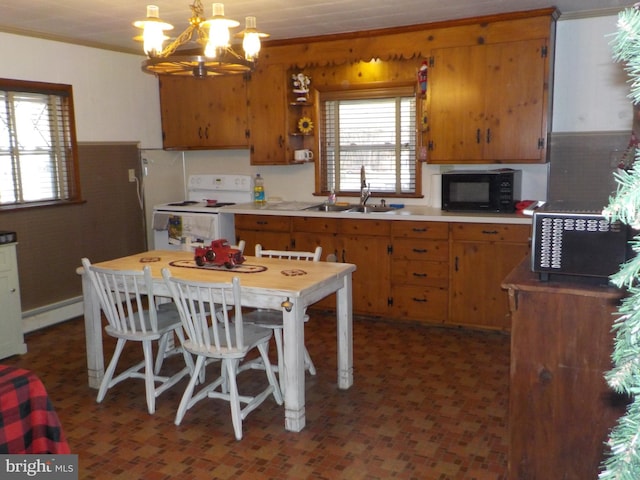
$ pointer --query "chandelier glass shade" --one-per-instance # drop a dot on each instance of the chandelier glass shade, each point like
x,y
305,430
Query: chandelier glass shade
x,y
203,49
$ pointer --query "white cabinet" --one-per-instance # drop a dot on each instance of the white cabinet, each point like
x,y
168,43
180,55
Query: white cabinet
x,y
11,337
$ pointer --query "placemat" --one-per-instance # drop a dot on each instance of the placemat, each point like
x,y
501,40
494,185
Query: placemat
x,y
242,268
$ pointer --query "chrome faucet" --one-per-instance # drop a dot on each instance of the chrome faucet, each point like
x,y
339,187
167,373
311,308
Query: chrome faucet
x,y
365,190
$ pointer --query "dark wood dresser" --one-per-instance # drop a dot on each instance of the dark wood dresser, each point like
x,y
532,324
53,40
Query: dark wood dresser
x,y
560,407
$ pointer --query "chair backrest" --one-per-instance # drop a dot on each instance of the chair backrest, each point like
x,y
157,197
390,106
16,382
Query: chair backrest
x,y
122,296
290,254
240,246
216,335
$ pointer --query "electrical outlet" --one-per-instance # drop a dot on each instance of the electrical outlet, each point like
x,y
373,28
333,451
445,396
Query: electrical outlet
x,y
132,175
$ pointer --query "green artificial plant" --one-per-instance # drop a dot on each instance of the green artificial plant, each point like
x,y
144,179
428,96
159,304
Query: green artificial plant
x,y
623,459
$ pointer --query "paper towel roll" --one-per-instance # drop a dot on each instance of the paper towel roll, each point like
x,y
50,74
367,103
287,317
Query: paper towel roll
x,y
435,191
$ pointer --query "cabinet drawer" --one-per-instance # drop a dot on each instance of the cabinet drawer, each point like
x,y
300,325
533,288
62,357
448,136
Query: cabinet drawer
x,y
490,232
365,227
271,223
313,224
413,272
421,303
402,229
416,249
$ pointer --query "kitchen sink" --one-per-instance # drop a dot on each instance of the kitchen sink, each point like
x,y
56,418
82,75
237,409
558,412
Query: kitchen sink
x,y
371,209
330,208
351,208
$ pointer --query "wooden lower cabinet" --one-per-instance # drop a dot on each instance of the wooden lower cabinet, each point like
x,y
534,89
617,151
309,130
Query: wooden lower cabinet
x,y
431,272
364,243
420,271
560,407
271,231
482,255
308,233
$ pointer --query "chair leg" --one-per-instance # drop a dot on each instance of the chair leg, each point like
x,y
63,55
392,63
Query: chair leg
x,y
188,359
149,379
231,367
308,363
277,334
108,375
162,351
277,392
188,393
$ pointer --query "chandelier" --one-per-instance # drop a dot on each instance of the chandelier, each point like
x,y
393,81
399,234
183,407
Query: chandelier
x,y
203,49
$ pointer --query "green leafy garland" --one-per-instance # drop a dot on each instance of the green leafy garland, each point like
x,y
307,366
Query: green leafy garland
x,y
623,461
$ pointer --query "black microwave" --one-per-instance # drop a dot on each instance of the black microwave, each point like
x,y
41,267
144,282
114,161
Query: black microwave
x,y
481,190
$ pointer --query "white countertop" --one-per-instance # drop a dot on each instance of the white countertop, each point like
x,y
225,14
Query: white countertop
x,y
409,212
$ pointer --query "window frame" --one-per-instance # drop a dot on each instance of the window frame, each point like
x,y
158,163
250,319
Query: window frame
x,y
360,92
67,142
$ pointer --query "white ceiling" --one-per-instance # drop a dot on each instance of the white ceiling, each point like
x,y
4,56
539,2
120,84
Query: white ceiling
x,y
107,23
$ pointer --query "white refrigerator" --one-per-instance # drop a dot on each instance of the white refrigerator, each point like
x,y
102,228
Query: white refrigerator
x,y
163,181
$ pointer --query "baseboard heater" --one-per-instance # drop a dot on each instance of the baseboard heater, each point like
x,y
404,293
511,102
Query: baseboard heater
x,y
52,314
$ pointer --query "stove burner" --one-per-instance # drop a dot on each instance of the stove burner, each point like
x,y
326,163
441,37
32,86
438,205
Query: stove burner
x,y
185,203
220,204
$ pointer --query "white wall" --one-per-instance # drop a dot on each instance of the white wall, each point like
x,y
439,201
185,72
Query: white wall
x,y
590,90
116,102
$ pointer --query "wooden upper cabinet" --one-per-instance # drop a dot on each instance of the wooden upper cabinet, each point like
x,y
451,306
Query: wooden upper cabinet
x,y
204,113
267,115
488,103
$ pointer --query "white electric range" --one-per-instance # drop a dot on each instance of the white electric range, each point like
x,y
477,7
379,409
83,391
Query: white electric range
x,y
184,224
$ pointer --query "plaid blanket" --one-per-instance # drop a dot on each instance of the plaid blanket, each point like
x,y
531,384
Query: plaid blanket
x,y
28,421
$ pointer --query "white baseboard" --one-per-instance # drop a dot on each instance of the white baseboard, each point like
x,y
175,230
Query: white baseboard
x,y
51,314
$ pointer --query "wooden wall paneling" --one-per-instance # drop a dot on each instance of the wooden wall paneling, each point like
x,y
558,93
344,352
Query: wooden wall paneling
x,y
409,42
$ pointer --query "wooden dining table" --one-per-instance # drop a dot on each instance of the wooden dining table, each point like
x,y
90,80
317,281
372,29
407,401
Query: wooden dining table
x,y
287,285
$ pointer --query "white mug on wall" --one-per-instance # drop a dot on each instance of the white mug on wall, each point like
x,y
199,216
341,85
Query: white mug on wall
x,y
303,155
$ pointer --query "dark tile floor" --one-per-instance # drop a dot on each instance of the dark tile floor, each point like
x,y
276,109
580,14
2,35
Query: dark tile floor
x,y
428,403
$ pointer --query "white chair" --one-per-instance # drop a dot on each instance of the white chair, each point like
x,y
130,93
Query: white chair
x,y
130,317
272,319
240,246
219,337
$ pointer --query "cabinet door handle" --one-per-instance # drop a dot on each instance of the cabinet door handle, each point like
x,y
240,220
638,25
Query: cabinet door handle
x,y
420,250
200,132
489,232
344,256
206,133
419,230
455,267
420,275
488,135
262,222
13,290
421,300
478,138
281,141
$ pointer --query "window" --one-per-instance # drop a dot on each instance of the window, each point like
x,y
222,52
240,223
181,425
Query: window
x,y
38,163
374,128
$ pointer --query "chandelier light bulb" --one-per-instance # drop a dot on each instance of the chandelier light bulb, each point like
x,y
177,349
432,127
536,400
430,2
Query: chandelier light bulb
x,y
153,31
219,34
251,40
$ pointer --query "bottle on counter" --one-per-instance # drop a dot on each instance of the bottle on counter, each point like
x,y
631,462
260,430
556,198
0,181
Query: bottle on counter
x,y
258,190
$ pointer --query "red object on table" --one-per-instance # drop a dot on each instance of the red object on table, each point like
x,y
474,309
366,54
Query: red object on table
x,y
28,421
